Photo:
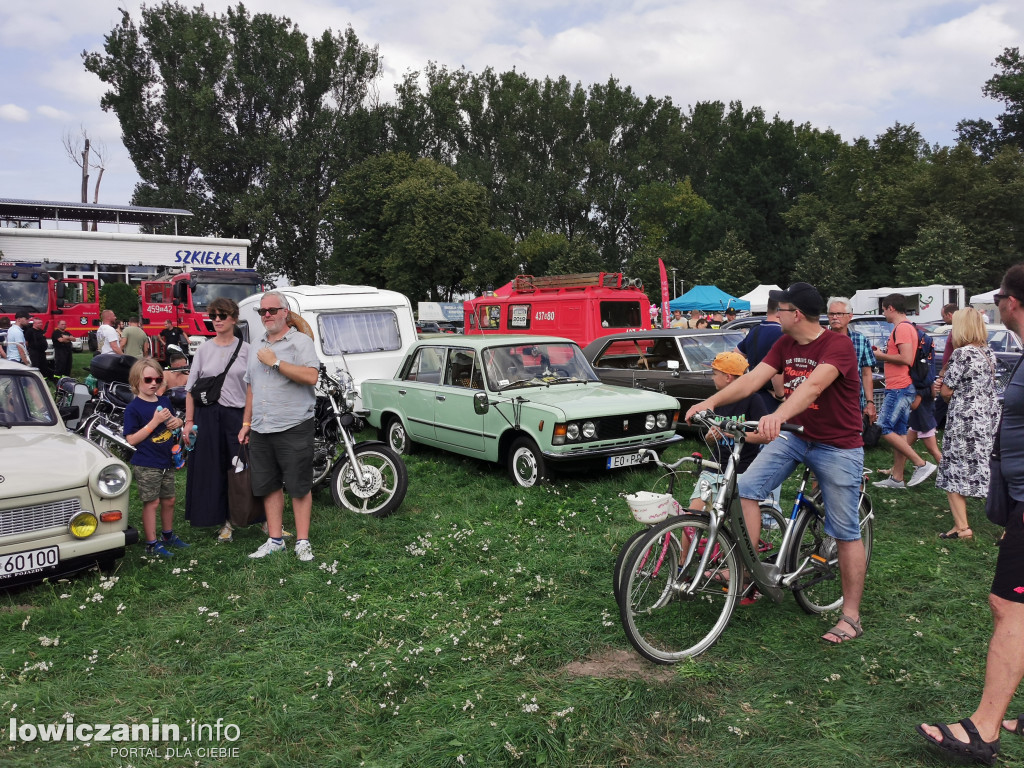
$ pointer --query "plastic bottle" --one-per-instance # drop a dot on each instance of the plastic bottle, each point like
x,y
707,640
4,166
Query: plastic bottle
x,y
193,434
177,456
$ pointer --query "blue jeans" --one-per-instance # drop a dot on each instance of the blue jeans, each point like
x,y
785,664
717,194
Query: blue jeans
x,y
895,412
839,472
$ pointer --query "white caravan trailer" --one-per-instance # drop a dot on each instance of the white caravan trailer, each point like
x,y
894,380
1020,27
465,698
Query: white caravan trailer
x,y
924,302
364,329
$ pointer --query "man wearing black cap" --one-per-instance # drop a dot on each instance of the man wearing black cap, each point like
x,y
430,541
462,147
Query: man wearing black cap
x,y
17,349
822,384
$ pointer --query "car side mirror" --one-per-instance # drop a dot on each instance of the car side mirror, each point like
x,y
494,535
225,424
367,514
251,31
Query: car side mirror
x,y
480,403
673,365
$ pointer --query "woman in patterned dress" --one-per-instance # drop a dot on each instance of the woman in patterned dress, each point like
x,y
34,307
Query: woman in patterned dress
x,y
972,419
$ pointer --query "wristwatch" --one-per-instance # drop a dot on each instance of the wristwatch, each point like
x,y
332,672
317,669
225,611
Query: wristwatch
x,y
277,366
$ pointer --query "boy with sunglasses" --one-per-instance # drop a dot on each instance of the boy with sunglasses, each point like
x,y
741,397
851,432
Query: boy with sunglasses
x,y
149,425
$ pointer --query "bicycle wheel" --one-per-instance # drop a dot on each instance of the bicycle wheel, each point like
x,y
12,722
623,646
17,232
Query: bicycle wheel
x,y
771,534
626,551
820,588
661,621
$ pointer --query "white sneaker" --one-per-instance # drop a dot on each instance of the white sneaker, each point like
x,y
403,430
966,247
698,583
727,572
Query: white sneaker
x,y
303,551
921,474
890,483
268,547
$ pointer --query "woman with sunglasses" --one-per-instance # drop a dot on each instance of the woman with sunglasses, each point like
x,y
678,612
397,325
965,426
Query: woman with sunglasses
x,y
216,439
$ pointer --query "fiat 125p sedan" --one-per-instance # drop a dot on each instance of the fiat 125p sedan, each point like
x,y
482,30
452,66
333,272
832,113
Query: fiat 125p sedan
x,y
529,402
63,500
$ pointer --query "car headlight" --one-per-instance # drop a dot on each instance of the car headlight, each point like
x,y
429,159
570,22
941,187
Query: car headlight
x,y
662,421
649,422
589,430
83,525
112,481
572,432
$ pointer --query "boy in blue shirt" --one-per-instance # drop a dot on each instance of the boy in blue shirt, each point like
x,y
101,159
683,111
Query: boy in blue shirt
x,y
148,425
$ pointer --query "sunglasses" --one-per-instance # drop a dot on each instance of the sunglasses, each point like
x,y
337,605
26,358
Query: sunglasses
x,y
152,379
998,297
263,312
219,315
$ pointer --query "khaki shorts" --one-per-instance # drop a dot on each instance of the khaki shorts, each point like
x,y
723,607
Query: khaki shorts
x,y
154,483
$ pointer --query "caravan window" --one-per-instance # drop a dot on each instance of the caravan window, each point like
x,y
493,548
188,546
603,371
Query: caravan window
x,y
365,330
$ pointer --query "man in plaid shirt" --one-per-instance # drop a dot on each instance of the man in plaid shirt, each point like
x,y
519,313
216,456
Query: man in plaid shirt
x,y
840,311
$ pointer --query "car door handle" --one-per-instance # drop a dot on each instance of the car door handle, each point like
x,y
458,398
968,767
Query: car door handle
x,y
439,397
402,391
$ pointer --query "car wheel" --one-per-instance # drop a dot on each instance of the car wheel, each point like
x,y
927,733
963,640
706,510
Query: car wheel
x,y
526,465
397,437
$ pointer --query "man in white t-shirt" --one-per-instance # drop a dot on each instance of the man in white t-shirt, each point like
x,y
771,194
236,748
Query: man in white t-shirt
x,y
107,336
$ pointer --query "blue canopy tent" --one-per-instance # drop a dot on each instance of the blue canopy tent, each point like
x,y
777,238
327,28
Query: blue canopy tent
x,y
707,298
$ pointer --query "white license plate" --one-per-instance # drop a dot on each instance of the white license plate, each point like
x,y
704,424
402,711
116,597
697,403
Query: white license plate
x,y
626,460
31,561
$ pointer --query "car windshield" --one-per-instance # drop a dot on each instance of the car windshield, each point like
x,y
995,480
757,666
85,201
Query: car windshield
x,y
699,351
24,401
535,365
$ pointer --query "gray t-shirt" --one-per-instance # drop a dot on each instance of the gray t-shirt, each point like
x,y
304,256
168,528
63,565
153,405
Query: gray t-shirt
x,y
211,359
278,403
1011,446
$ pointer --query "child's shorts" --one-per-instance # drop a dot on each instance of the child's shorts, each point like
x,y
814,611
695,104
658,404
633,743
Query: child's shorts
x,y
707,486
154,483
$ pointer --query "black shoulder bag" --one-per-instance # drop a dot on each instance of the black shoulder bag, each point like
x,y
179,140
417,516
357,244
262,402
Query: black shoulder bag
x,y
206,391
998,503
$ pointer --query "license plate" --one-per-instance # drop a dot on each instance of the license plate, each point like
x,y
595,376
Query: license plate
x,y
626,460
31,561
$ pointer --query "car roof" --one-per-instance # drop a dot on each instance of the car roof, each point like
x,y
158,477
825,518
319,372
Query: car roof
x,y
6,366
481,341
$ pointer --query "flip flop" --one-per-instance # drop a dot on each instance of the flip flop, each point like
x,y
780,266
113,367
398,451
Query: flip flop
x,y
974,749
842,634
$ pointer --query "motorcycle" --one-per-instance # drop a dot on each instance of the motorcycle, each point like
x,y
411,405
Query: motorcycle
x,y
366,477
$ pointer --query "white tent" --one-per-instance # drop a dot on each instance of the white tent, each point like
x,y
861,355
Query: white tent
x,y
758,298
984,299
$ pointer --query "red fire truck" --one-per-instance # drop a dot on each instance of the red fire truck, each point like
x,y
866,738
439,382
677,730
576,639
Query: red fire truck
x,y
183,298
30,287
579,307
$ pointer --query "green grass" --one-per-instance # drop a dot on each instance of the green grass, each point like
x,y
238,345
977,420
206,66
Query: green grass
x,y
440,637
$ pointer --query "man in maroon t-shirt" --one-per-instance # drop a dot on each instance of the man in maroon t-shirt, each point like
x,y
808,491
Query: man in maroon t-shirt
x,y
822,385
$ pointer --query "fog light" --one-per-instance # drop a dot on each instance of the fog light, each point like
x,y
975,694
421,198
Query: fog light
x,y
83,525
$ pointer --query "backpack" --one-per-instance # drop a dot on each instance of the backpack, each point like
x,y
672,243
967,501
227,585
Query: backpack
x,y
922,372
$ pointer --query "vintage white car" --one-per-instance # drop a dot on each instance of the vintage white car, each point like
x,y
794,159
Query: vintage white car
x,y
63,499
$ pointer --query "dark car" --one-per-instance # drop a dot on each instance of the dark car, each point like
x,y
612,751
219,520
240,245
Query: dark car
x,y
428,327
674,360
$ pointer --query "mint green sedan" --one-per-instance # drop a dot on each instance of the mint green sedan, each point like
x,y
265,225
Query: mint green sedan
x,y
529,402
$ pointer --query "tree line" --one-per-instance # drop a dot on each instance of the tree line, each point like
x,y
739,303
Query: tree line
x,y
467,179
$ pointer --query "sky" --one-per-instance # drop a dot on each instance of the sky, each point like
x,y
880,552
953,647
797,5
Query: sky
x,y
855,67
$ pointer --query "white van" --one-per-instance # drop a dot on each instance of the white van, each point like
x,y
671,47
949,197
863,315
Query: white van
x,y
364,329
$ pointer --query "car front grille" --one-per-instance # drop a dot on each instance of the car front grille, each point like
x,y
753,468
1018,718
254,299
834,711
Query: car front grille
x,y
55,514
625,425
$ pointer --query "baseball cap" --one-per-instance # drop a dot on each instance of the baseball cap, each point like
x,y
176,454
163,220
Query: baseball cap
x,y
730,362
23,313
803,296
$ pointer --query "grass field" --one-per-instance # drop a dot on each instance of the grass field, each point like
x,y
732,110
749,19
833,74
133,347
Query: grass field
x,y
477,627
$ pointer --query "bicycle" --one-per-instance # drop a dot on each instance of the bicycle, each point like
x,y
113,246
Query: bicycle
x,y
650,508
681,584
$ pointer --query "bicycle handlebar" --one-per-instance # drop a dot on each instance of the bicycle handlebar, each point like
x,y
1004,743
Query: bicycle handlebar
x,y
738,428
694,458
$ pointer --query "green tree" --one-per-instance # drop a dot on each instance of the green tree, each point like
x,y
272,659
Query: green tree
x,y
122,298
943,253
1007,86
731,267
825,265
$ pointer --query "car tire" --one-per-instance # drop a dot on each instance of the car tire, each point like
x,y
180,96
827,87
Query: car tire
x,y
397,437
526,465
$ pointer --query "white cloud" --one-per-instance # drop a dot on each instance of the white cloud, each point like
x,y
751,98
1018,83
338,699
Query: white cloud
x,y
53,113
12,113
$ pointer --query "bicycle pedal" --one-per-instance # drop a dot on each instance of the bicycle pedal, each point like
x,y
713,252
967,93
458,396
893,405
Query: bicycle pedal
x,y
819,559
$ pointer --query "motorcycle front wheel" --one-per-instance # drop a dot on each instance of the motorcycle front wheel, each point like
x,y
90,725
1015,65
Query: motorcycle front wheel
x,y
384,483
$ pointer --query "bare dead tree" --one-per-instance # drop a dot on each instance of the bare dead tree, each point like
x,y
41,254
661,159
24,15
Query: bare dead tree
x,y
83,153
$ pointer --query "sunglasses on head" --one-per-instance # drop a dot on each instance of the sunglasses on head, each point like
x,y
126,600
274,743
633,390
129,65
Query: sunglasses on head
x,y
152,379
263,311
219,315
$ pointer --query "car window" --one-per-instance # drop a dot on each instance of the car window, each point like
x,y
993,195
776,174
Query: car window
x,y
353,333
699,351
624,353
24,401
462,370
426,365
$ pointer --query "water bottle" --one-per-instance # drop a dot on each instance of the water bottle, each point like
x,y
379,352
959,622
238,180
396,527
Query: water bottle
x,y
192,435
177,456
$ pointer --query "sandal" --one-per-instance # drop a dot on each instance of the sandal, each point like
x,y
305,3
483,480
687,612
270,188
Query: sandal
x,y
842,634
1018,729
957,534
975,749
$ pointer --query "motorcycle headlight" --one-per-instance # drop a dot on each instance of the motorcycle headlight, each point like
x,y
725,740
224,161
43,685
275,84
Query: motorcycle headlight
x,y
572,432
589,430
662,421
111,481
649,422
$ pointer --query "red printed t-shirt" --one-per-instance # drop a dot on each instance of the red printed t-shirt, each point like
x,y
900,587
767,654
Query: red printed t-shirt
x,y
835,417
897,375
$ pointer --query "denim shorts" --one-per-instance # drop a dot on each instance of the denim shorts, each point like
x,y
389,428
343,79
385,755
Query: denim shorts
x,y
707,486
839,472
895,413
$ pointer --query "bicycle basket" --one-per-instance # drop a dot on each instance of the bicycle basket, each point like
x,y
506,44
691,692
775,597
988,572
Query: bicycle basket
x,y
650,508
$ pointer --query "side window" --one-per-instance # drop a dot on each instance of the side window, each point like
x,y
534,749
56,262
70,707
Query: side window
x,y
518,316
462,369
426,366
157,293
620,314
360,331
489,316
626,353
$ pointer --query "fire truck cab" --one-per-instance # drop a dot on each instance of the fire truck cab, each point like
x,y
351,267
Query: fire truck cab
x,y
580,307
29,287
